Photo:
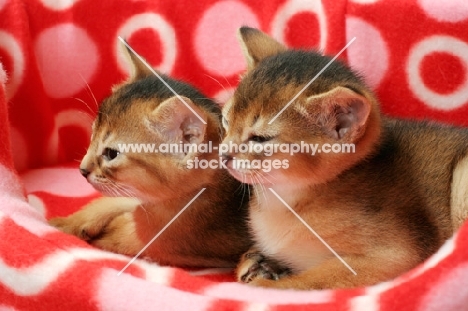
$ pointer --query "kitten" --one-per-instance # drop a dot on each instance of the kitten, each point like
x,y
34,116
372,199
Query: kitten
x,y
384,208
154,187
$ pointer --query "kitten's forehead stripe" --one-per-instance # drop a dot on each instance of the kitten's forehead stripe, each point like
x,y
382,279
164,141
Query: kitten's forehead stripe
x,y
270,79
106,136
255,119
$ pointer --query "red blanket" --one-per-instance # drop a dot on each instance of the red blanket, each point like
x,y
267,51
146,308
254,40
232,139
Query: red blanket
x,y
58,59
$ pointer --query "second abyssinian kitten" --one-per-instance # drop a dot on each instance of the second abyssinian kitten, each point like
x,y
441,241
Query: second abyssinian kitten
x,y
154,187
383,209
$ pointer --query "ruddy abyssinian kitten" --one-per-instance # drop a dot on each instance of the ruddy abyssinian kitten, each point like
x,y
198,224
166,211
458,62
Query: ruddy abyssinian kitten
x,y
383,209
149,189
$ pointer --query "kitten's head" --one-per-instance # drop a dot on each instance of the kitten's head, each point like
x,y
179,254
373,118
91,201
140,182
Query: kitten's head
x,y
141,111
266,109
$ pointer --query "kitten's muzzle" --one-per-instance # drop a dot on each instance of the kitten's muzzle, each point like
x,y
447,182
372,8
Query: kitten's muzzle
x,y
84,172
226,156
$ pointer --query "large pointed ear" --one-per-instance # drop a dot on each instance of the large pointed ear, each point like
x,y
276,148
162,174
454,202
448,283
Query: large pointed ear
x,y
256,46
138,68
178,119
341,112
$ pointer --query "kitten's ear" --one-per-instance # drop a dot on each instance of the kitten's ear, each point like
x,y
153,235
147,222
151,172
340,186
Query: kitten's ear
x,y
138,69
341,112
176,122
257,45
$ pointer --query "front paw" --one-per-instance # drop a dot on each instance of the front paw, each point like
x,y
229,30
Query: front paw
x,y
91,222
115,234
256,266
75,226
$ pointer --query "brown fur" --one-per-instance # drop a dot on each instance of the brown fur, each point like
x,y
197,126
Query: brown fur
x,y
384,209
212,231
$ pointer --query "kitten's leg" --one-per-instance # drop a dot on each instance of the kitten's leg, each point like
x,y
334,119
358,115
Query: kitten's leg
x,y
106,223
89,222
254,265
119,236
333,274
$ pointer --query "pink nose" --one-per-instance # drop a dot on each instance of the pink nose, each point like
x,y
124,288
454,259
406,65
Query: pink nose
x,y
227,156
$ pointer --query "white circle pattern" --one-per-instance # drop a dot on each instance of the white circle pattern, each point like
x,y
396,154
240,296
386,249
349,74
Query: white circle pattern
x,y
162,27
433,44
293,7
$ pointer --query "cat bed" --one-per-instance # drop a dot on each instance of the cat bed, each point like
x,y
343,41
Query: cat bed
x,y
60,58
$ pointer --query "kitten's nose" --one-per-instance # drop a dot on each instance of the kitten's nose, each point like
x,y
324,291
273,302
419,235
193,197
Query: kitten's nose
x,y
227,156
84,172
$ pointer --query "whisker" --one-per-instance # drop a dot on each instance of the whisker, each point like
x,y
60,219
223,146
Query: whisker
x,y
107,188
227,81
86,114
263,190
248,187
115,191
129,193
86,104
242,188
245,188
212,78
121,190
90,91
265,175
114,188
258,184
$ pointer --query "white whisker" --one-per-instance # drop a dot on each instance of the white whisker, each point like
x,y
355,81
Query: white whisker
x,y
90,91
86,104
212,78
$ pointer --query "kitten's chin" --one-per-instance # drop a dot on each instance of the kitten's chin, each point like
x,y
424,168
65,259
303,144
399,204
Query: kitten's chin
x,y
107,192
114,191
249,177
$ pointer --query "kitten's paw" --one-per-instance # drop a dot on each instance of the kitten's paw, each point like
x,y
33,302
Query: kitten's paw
x,y
256,266
114,234
250,267
91,222
78,227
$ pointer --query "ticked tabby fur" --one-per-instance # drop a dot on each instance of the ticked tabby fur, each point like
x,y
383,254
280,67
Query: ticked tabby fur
x,y
384,209
151,188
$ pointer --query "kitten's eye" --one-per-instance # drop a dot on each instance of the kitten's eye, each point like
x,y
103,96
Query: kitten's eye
x,y
260,139
225,122
110,154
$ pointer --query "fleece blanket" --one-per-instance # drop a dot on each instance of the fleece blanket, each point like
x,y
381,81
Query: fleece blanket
x,y
59,58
